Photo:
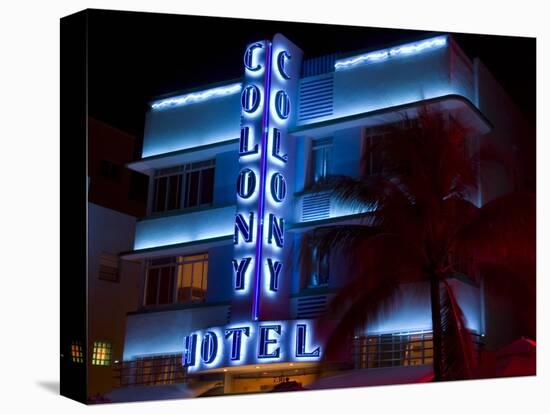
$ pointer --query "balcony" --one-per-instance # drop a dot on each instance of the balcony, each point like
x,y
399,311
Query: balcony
x,y
391,77
199,118
160,330
185,226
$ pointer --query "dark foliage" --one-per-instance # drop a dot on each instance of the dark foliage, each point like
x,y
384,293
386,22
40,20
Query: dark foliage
x,y
423,227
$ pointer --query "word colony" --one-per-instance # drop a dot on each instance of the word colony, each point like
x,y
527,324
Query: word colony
x,y
261,184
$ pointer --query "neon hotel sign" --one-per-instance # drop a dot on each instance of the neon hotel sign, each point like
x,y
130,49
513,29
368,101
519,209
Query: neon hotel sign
x,y
271,76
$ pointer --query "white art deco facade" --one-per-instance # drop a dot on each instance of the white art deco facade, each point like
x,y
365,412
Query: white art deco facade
x,y
231,165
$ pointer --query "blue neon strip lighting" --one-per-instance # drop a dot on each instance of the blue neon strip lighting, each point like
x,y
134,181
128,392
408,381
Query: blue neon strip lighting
x,y
380,55
196,97
261,201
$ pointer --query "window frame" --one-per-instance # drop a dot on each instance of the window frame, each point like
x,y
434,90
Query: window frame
x,y
78,357
153,370
183,172
170,263
181,261
316,262
175,263
368,142
394,349
108,352
324,146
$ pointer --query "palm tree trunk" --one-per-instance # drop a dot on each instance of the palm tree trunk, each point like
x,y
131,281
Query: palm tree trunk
x,y
435,296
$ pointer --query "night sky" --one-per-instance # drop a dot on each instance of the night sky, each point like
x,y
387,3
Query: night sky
x,y
134,57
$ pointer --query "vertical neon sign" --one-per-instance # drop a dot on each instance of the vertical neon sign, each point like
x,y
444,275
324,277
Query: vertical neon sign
x,y
261,201
271,76
263,188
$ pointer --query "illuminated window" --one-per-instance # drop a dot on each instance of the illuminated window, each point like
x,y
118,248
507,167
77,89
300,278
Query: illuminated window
x,y
183,186
101,353
77,352
192,278
177,279
389,350
321,154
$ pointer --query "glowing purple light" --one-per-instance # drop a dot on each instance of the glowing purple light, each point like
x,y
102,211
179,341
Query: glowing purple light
x,y
196,97
384,54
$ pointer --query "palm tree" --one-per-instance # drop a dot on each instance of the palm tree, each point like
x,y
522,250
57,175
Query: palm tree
x,y
423,227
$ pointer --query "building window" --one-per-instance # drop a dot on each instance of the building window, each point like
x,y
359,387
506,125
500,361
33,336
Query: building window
x,y
184,186
109,169
373,154
77,352
397,349
179,279
321,158
380,154
101,353
320,268
109,267
192,278
160,281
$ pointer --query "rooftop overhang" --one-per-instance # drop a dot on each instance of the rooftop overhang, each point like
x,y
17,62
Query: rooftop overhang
x,y
176,249
148,164
462,109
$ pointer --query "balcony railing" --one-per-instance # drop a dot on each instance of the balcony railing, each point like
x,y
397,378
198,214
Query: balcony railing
x,y
156,370
398,349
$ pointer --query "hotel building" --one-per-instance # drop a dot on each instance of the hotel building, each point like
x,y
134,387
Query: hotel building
x,y
224,307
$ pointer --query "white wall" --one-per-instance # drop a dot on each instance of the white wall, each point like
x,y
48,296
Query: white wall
x,y
111,232
162,332
184,227
192,125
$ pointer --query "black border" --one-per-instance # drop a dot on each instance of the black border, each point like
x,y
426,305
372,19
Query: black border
x,y
73,171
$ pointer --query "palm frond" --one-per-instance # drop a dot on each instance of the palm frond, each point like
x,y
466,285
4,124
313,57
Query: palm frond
x,y
340,238
356,314
435,157
421,224
458,360
449,219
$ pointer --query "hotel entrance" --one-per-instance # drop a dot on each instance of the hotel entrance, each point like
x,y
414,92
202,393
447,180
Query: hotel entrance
x,y
269,377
